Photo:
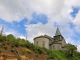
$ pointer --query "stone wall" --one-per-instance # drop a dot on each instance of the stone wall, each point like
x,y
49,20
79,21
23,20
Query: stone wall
x,y
42,42
56,46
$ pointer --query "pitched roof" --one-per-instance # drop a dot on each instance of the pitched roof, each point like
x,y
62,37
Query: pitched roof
x,y
57,32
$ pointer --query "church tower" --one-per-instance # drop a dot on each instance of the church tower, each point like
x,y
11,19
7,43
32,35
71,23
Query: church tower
x,y
58,35
59,40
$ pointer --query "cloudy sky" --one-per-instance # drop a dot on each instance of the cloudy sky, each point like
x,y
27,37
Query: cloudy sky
x,y
39,17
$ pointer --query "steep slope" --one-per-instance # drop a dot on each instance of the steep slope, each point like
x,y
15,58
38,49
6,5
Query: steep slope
x,y
20,49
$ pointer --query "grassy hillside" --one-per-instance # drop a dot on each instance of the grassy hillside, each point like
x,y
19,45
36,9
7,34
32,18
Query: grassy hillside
x,y
9,45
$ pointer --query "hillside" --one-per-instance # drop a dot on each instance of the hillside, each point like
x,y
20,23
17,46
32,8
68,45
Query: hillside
x,y
12,48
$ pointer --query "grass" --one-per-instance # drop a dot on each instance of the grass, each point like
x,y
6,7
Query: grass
x,y
51,54
60,55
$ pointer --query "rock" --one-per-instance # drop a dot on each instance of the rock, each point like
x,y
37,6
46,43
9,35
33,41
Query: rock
x,y
1,58
25,58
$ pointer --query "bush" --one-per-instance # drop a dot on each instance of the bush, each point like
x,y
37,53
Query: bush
x,y
18,58
23,53
3,43
38,49
0,51
50,54
10,38
5,47
26,50
37,54
2,38
12,50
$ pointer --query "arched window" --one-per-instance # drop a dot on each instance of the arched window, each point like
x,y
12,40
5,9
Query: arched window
x,y
53,47
37,43
43,44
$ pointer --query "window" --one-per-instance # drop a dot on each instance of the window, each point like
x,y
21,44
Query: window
x,y
37,43
53,47
43,44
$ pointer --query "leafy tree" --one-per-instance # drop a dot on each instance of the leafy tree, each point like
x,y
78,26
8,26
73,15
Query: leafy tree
x,y
10,38
70,49
2,38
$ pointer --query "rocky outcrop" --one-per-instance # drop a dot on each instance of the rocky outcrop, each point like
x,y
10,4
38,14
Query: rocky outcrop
x,y
10,57
25,58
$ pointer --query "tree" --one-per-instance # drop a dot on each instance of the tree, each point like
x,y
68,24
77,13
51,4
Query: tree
x,y
1,32
10,38
70,49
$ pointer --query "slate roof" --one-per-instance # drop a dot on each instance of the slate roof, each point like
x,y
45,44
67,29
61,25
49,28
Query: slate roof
x,y
57,32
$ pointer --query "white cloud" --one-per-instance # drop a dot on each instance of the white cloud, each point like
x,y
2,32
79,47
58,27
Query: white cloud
x,y
13,10
76,21
35,30
55,10
14,32
78,48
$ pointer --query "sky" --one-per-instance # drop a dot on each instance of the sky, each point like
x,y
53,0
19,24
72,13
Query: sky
x,y
33,18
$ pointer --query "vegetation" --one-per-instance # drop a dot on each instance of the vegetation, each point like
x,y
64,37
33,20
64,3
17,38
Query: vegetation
x,y
69,54
26,50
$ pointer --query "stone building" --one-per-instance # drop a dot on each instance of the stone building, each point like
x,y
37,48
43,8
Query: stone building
x,y
54,43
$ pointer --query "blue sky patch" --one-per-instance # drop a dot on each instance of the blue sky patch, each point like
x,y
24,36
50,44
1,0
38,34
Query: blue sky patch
x,y
75,11
18,26
71,25
38,18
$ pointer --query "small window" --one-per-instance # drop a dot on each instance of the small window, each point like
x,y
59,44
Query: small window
x,y
43,44
37,43
53,47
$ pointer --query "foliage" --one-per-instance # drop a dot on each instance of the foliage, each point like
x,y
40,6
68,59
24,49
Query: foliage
x,y
69,54
38,50
0,51
26,50
5,47
2,38
70,50
18,58
10,38
56,55
12,50
76,55
37,54
2,44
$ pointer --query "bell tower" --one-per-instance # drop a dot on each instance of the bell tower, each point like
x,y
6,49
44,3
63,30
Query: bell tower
x,y
58,35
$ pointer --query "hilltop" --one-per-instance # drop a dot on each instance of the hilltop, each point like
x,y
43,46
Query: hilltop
x,y
21,49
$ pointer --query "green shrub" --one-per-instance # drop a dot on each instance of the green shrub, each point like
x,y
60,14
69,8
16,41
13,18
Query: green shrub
x,y
10,38
50,54
0,51
38,49
16,45
26,50
23,53
12,46
18,58
37,54
2,38
3,43
5,47
12,50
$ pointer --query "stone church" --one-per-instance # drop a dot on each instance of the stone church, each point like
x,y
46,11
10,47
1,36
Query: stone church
x,y
54,43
